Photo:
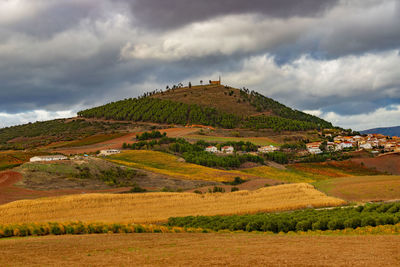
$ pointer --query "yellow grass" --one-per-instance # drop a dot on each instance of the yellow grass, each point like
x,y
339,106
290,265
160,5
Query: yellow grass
x,y
171,165
155,207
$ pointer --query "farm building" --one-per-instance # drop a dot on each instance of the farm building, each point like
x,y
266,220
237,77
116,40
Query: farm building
x,y
212,149
267,149
108,152
227,149
216,82
48,158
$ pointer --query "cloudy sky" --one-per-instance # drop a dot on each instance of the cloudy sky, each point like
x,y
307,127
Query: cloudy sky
x,y
338,59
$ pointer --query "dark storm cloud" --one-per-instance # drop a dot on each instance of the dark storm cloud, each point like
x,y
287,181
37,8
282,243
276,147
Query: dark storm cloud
x,y
174,13
69,54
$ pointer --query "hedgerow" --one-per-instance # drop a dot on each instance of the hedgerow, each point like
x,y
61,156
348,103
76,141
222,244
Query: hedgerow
x,y
305,220
78,228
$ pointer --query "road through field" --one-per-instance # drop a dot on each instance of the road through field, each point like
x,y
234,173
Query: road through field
x,y
201,250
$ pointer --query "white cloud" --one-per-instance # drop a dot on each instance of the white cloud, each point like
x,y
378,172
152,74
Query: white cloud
x,y
381,117
7,119
307,81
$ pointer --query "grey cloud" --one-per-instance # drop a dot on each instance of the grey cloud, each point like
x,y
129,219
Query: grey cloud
x,y
164,14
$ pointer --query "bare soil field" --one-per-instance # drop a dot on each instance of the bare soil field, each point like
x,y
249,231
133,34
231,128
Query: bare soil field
x,y
386,163
362,188
158,207
201,250
9,192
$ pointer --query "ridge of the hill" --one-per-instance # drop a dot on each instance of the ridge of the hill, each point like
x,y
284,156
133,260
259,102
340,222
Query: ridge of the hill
x,y
214,105
389,131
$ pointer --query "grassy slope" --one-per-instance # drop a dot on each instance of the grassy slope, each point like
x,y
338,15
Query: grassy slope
x,y
154,207
362,188
91,140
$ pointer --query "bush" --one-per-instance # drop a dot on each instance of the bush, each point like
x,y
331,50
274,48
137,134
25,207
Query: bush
x,y
234,189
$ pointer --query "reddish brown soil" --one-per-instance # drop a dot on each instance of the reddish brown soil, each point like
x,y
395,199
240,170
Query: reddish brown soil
x,y
386,163
201,250
9,192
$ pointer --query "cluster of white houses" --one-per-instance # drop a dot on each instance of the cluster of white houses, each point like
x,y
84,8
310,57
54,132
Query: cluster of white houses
x,y
370,141
230,149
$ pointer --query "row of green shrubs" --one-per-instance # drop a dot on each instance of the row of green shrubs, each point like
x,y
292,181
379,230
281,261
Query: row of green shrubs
x,y
78,228
304,220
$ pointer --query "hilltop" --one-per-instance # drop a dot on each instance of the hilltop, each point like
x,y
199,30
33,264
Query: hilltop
x,y
214,105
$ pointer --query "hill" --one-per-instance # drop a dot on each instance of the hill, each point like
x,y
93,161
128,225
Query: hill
x,y
390,131
220,106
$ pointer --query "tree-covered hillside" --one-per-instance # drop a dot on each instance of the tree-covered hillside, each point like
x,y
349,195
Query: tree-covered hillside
x,y
162,107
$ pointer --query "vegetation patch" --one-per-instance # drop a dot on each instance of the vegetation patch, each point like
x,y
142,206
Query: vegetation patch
x,y
304,220
80,228
259,141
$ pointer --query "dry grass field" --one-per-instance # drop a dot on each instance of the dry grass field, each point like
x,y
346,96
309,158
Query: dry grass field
x,y
201,250
156,207
362,188
172,166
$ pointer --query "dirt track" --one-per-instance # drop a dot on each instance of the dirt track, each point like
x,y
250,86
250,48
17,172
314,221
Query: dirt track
x,y
9,192
201,250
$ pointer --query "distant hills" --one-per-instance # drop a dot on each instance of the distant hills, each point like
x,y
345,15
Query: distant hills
x,y
390,131
214,105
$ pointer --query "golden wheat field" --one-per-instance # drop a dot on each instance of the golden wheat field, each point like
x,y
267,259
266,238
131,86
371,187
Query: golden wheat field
x,y
156,207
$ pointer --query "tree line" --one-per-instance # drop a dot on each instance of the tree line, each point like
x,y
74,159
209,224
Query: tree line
x,y
304,220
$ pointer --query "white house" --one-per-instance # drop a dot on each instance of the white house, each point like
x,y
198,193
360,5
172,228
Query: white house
x,y
48,158
108,152
267,149
313,148
366,145
227,149
346,144
212,149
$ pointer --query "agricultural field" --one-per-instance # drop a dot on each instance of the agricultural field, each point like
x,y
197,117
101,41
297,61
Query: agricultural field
x,y
91,140
173,166
158,207
362,188
311,172
11,159
196,249
259,141
389,164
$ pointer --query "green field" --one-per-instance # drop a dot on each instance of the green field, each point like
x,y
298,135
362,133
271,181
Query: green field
x,y
259,141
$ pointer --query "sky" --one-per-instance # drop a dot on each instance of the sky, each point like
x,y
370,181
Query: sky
x,y
338,59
